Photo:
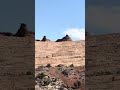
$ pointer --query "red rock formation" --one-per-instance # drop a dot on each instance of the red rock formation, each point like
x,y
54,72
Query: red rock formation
x,y
22,31
45,39
66,38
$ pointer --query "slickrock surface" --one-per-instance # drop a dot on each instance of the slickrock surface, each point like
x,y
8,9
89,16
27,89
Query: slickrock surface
x,y
16,63
102,62
54,53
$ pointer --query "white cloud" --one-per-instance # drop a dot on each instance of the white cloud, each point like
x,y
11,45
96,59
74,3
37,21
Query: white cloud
x,y
77,33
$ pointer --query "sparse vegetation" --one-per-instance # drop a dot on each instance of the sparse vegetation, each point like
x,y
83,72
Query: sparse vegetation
x,y
65,72
48,65
41,75
71,65
61,78
77,84
57,59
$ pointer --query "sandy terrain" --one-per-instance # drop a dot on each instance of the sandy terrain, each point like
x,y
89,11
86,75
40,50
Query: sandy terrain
x,y
65,54
56,53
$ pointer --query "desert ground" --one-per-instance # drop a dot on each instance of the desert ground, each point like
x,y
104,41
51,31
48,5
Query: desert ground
x,y
16,63
63,61
54,53
102,59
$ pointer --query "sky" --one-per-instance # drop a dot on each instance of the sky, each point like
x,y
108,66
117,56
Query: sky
x,y
102,16
56,18
14,12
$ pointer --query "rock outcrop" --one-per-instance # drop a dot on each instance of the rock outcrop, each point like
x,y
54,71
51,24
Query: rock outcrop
x,y
45,39
66,38
22,31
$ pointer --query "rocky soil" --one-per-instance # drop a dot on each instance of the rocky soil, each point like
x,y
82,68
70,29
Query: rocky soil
x,y
60,78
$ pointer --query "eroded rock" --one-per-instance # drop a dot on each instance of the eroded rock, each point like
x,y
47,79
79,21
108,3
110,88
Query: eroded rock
x,y
45,39
66,38
22,31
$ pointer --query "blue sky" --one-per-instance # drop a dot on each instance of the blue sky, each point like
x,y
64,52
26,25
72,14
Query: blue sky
x,y
14,12
55,18
103,16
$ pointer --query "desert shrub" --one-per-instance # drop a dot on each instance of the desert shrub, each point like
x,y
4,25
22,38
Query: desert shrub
x,y
47,56
65,72
71,65
41,75
60,65
48,65
77,84
40,67
54,80
47,82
